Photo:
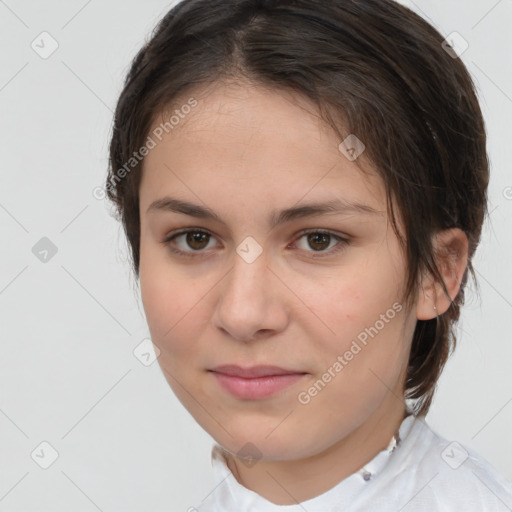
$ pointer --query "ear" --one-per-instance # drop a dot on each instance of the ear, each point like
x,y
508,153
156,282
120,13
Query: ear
x,y
451,254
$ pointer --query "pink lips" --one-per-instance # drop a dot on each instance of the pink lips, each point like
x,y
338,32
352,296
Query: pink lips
x,y
256,382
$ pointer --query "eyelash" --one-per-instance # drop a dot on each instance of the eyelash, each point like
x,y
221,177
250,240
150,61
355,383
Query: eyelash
x,y
342,242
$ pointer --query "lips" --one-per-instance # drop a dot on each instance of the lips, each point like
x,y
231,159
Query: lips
x,y
253,371
256,382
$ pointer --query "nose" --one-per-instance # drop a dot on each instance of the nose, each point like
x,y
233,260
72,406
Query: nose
x,y
252,301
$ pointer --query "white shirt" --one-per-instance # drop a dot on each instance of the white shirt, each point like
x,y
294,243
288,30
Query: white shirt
x,y
423,472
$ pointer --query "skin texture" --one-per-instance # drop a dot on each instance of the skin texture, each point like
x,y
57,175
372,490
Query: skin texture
x,y
245,151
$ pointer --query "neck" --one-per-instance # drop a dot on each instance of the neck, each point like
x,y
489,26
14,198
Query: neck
x,y
294,481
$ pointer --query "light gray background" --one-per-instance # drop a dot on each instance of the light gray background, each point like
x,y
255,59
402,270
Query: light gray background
x,y
69,326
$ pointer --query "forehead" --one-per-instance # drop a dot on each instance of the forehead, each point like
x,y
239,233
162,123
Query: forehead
x,y
268,142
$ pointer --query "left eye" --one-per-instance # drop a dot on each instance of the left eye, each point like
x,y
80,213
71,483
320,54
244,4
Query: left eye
x,y
322,241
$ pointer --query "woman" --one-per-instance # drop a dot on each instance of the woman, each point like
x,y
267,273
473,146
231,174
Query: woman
x,y
303,186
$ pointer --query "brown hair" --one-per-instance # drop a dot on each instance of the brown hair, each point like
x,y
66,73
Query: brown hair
x,y
374,64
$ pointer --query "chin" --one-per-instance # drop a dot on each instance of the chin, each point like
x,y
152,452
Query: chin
x,y
260,446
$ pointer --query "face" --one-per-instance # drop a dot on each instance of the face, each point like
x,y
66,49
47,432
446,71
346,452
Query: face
x,y
255,275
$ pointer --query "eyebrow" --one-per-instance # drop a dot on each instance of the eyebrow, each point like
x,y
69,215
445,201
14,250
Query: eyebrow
x,y
169,204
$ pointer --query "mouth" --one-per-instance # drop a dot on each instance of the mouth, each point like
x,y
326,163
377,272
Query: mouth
x,y
256,382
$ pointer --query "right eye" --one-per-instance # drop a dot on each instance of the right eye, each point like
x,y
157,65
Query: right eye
x,y
195,239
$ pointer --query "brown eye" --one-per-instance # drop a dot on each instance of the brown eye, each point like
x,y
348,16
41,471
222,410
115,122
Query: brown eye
x,y
189,242
319,241
196,239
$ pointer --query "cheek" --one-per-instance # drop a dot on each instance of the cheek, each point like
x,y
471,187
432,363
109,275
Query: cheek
x,y
357,315
347,303
166,296
176,308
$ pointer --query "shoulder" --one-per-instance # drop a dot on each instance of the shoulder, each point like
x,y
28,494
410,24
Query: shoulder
x,y
446,475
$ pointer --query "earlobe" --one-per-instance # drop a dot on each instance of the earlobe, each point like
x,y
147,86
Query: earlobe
x,y
451,253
